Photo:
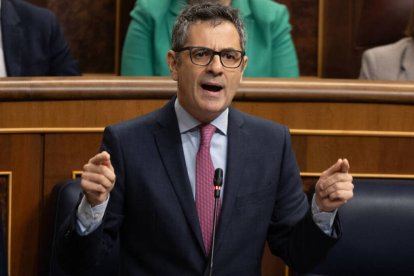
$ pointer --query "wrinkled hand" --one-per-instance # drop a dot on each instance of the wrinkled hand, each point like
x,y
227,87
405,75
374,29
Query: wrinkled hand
x,y
334,187
98,178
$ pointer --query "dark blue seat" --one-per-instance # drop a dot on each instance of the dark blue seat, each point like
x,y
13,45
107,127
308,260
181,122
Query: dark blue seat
x,y
378,231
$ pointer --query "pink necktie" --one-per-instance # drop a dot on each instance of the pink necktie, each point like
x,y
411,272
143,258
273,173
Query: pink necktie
x,y
204,185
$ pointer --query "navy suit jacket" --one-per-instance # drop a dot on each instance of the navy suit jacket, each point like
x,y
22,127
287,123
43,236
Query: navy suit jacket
x,y
153,210
33,42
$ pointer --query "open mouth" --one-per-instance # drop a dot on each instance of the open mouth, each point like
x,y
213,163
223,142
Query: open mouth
x,y
212,88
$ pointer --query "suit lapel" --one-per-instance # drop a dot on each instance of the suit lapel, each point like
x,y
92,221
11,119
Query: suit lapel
x,y
169,144
12,38
237,138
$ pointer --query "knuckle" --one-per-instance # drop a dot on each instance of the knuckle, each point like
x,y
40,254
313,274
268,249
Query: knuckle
x,y
102,179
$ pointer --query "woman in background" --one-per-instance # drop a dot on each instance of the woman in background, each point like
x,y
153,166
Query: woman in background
x,y
393,61
269,44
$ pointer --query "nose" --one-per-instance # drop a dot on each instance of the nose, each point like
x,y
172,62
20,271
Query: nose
x,y
215,67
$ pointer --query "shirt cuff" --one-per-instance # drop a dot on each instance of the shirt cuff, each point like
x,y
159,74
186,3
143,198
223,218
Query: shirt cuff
x,y
89,218
324,220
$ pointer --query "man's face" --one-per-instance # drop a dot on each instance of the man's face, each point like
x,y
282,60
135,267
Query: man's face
x,y
206,91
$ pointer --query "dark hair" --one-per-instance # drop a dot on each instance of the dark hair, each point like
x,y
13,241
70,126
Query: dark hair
x,y
209,11
409,30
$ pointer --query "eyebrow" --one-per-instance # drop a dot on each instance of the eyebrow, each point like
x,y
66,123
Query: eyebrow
x,y
231,48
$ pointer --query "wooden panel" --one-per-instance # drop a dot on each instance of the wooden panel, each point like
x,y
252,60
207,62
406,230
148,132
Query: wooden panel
x,y
368,155
86,113
272,265
308,104
345,116
51,126
64,153
342,116
382,22
338,57
304,15
22,155
89,28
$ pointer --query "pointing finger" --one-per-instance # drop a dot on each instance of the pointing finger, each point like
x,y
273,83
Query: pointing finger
x,y
102,158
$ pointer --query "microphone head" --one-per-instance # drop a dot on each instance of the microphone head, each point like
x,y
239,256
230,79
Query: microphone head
x,y
218,177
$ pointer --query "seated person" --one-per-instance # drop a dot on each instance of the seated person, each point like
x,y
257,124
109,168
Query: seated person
x,y
267,23
393,61
32,42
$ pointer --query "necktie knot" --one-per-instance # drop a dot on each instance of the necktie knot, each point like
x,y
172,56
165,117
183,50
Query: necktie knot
x,y
206,133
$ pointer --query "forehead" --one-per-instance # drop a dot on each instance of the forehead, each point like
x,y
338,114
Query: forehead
x,y
213,34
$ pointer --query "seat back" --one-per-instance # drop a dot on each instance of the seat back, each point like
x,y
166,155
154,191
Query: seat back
x,y
378,231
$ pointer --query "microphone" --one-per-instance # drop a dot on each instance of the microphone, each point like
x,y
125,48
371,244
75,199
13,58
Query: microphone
x,y
218,182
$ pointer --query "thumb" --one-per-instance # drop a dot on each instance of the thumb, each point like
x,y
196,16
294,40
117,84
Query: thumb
x,y
334,168
345,165
106,160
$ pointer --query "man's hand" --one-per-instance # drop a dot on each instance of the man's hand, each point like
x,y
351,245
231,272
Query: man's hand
x,y
98,178
334,188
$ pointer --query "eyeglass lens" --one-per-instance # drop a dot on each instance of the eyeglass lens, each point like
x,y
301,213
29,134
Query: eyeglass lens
x,y
203,56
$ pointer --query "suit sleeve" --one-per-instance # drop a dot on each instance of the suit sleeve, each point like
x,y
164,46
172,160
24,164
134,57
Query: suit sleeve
x,y
284,59
292,234
78,254
62,62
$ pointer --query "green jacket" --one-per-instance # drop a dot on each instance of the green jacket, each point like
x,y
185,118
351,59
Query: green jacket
x,y
269,44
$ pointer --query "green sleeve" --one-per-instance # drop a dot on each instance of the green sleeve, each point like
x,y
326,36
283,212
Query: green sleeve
x,y
284,59
138,46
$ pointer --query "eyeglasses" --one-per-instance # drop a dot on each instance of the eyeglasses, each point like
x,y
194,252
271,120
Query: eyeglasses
x,y
202,56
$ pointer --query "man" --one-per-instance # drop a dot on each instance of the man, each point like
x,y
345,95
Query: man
x,y
32,43
146,185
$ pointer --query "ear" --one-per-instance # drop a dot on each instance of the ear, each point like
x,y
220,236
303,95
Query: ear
x,y
243,66
172,64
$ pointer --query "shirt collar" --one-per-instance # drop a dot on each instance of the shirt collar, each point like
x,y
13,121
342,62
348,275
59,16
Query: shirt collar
x,y
186,122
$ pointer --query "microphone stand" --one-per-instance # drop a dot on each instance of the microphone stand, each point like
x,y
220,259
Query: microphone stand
x,y
218,182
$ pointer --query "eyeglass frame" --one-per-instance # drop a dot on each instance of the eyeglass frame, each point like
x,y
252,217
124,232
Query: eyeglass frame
x,y
191,48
